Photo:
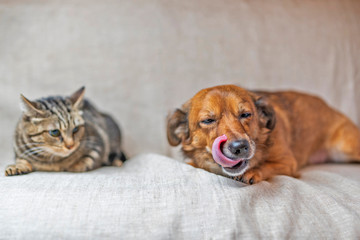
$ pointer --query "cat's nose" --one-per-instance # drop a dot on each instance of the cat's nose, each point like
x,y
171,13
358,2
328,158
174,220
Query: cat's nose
x,y
69,146
69,143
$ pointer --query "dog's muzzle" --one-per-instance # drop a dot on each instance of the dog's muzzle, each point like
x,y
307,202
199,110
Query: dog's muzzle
x,y
239,153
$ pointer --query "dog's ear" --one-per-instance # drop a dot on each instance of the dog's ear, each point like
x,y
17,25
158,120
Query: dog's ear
x,y
267,116
178,126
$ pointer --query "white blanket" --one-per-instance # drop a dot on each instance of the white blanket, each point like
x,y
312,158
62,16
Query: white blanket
x,y
155,197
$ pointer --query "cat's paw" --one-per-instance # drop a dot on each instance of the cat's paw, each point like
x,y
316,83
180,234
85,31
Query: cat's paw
x,y
117,162
18,169
116,159
82,165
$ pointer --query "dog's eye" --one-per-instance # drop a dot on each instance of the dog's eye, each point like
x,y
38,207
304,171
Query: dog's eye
x,y
208,121
245,115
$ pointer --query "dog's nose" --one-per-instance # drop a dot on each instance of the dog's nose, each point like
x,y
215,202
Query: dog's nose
x,y
239,147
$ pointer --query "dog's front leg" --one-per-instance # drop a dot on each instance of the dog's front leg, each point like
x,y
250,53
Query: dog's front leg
x,y
268,169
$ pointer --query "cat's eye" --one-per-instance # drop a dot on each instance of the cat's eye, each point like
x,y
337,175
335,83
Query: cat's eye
x,y
245,115
54,133
208,121
76,129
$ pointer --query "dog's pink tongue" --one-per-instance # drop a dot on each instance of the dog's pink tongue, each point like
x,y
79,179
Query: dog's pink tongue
x,y
219,157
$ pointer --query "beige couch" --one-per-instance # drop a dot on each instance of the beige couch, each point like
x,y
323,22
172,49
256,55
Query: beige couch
x,y
141,59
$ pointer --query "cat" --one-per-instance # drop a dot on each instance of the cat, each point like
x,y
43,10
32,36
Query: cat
x,y
64,134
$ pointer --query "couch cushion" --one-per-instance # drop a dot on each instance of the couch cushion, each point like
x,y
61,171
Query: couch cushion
x,y
155,197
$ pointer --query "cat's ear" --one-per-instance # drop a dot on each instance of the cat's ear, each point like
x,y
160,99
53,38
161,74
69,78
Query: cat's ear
x,y
77,97
30,108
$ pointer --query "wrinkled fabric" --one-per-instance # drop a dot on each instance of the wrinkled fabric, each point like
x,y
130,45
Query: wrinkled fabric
x,y
155,197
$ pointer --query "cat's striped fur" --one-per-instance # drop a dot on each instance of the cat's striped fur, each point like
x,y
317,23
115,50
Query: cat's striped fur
x,y
64,134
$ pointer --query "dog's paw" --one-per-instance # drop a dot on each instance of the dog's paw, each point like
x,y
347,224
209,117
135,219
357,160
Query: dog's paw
x,y
17,169
83,165
252,176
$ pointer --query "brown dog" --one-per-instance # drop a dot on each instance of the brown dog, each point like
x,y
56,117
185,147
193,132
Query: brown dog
x,y
252,136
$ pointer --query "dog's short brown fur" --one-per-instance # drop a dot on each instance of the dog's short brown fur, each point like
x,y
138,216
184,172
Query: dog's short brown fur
x,y
288,129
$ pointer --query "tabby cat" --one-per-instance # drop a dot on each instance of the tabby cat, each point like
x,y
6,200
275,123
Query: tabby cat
x,y
64,134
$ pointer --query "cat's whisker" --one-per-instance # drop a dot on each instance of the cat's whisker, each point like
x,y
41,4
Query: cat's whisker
x,y
30,150
35,152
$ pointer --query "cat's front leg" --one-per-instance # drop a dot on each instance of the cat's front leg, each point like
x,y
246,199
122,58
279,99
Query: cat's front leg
x,y
85,163
21,166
